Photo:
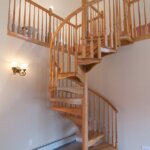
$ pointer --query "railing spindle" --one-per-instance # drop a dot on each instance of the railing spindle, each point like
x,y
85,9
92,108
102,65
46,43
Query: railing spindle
x,y
19,16
14,16
68,55
33,33
42,28
46,34
145,18
29,21
139,14
9,11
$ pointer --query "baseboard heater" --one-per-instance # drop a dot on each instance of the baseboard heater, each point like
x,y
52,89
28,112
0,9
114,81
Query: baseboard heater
x,y
58,143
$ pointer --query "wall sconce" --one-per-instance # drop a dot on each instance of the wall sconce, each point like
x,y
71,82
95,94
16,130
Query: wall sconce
x,y
20,69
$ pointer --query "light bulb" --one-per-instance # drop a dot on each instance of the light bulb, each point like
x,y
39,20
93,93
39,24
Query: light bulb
x,y
52,7
14,64
24,66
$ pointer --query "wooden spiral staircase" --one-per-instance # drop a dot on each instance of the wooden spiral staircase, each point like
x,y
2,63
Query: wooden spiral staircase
x,y
78,43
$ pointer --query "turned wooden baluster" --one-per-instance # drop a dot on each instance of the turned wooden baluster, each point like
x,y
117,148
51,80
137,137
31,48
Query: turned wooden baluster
x,y
33,33
104,121
110,25
62,51
118,42
114,26
139,15
145,18
90,111
95,113
99,34
120,19
75,46
9,10
108,122
53,25
38,26
29,21
134,21
19,16
42,28
112,113
68,48
104,22
99,115
84,27
14,16
91,34
46,33
129,18
50,25
116,144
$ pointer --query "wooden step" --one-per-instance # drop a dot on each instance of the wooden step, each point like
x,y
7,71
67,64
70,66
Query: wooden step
x,y
103,147
126,40
107,51
72,111
88,61
86,64
94,137
73,101
71,75
74,90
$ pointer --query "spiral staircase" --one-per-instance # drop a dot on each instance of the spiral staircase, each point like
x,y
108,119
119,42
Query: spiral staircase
x,y
78,43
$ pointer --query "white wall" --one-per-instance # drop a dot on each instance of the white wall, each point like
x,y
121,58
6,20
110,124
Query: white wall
x,y
61,7
125,79
24,106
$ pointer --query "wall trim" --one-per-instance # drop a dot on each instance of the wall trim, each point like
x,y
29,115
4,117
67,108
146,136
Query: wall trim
x,y
58,143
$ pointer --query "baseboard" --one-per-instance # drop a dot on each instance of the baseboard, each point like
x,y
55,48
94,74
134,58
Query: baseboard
x,y
58,143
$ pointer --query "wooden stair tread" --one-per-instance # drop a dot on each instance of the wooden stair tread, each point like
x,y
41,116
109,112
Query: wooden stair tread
x,y
86,64
126,39
94,137
73,111
76,101
103,147
75,90
72,75
88,61
107,50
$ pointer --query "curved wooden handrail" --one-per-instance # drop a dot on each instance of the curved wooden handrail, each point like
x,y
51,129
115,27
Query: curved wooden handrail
x,y
101,96
68,18
104,98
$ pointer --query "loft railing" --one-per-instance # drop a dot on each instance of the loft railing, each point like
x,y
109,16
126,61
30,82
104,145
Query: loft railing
x,y
67,44
140,16
32,22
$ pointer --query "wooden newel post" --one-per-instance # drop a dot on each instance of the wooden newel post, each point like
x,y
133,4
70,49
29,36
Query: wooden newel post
x,y
84,27
85,116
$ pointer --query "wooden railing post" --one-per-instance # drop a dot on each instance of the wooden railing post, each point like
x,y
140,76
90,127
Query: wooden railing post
x,y
84,27
85,116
